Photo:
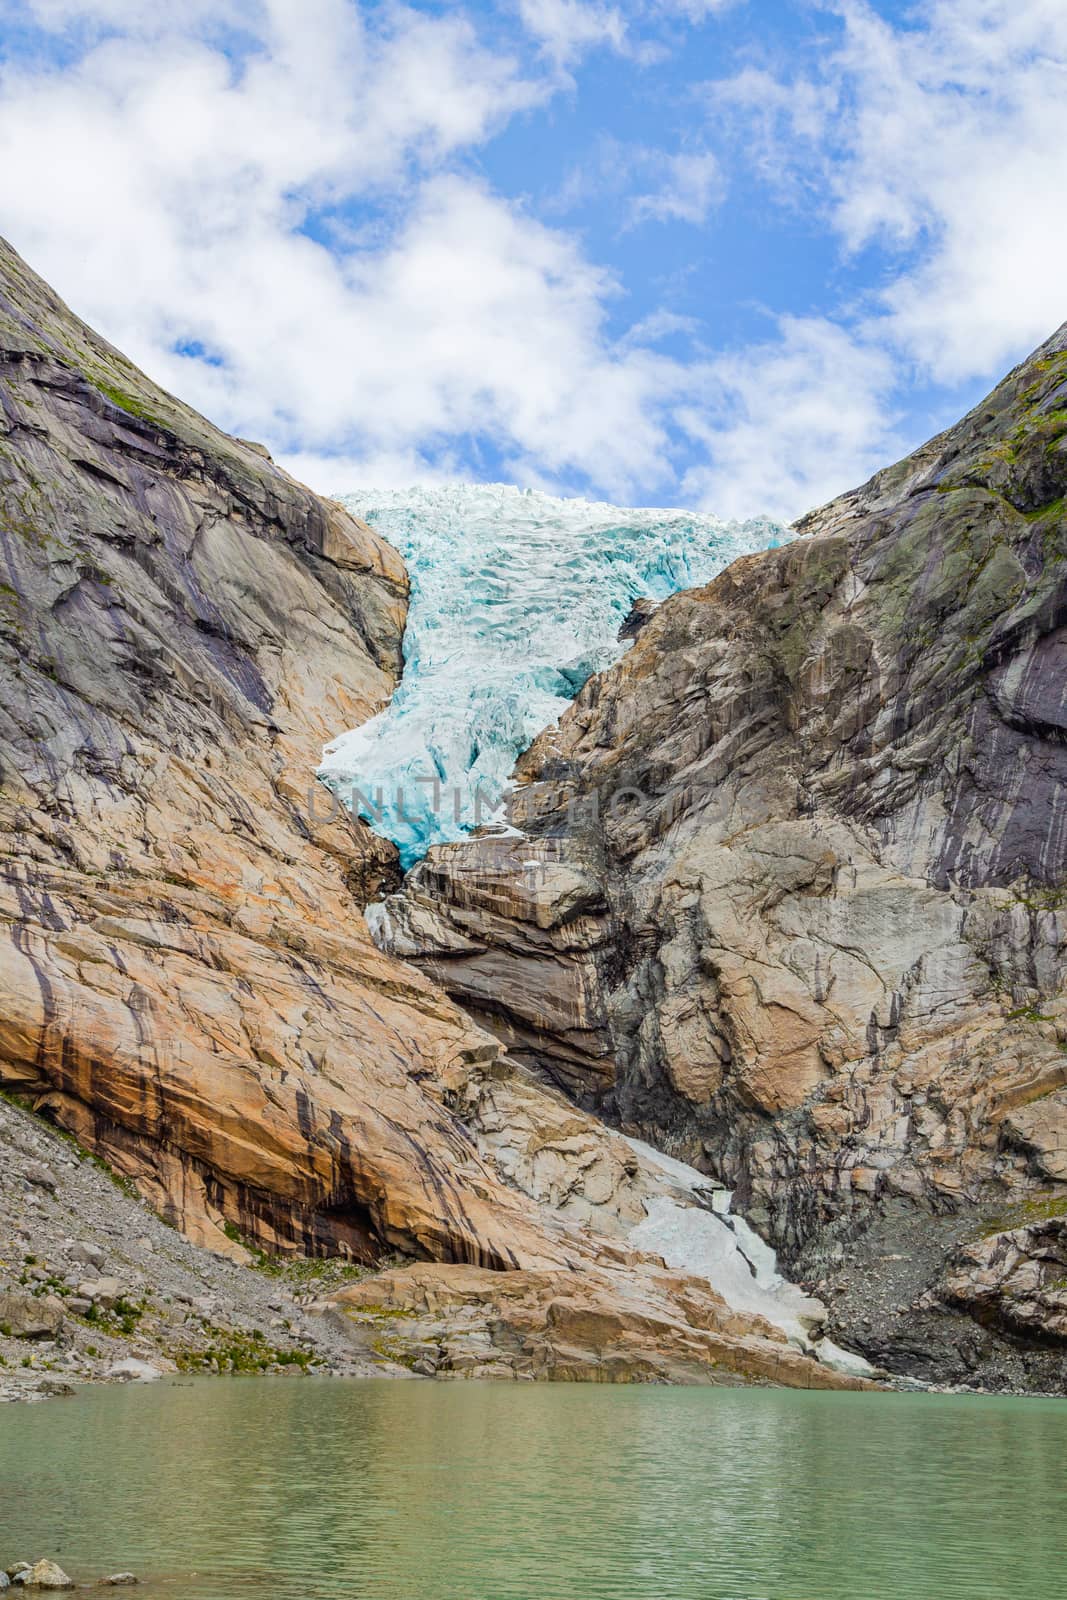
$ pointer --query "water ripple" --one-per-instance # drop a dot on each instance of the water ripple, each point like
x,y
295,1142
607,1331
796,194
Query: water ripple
x,y
411,1491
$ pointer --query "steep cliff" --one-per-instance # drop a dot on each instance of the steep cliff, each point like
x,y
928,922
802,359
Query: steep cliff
x,y
187,983
182,975
794,894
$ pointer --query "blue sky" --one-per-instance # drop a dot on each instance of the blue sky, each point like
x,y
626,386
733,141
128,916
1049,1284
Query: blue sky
x,y
733,254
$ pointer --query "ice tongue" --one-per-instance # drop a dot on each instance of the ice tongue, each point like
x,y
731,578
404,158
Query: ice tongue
x,y
517,598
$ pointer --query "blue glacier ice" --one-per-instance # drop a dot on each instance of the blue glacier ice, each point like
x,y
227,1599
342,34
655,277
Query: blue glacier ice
x,y
516,599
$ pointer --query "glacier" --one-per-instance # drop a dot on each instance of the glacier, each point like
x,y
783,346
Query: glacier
x,y
517,597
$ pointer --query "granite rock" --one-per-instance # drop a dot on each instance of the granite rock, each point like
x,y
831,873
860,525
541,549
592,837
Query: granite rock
x,y
792,897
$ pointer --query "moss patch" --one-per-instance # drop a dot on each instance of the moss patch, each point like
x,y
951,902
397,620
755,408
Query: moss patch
x,y
1048,1208
125,401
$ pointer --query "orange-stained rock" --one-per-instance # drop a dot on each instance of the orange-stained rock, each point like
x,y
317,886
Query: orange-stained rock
x,y
621,1322
818,812
185,979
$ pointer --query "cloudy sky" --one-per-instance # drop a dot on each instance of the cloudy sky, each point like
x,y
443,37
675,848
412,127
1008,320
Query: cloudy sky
x,y
732,254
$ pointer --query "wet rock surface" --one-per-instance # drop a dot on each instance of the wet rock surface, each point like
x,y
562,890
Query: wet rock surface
x,y
793,898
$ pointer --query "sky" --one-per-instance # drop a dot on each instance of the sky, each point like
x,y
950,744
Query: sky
x,y
731,255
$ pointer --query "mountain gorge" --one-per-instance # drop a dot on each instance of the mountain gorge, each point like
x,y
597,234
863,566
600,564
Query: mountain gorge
x,y
787,905
187,984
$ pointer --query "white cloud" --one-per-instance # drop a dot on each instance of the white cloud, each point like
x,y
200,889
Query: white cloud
x,y
131,16
272,208
566,29
943,143
959,134
650,185
166,192
336,475
790,423
690,185
693,10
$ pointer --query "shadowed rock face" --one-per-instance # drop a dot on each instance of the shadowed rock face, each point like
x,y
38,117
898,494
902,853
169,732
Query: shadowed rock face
x,y
819,948
519,933
186,980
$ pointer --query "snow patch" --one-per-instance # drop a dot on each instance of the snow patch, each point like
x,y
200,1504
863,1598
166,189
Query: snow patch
x,y
695,1231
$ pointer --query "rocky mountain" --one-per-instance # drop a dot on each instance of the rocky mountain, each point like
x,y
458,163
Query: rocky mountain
x,y
187,983
792,900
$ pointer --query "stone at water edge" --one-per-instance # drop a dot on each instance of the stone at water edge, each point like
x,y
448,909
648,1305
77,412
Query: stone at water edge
x,y
44,1575
55,1387
118,1580
134,1371
5,1582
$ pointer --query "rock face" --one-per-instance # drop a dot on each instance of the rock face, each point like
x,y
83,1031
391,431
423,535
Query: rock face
x,y
155,1297
611,1325
186,982
519,933
793,898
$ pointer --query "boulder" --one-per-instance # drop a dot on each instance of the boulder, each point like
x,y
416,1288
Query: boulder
x,y
28,1316
90,1255
44,1575
101,1291
55,1387
40,1176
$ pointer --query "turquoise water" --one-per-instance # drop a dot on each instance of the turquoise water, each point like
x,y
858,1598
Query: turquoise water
x,y
421,1491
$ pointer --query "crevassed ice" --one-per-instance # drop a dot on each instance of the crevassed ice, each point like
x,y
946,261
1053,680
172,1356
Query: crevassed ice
x,y
516,599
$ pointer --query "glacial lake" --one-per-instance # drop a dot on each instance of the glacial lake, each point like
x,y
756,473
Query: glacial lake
x,y
328,1489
